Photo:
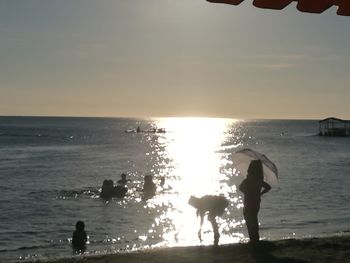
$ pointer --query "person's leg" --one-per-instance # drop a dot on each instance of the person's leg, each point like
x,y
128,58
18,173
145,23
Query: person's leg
x,y
255,227
247,221
251,219
214,224
200,227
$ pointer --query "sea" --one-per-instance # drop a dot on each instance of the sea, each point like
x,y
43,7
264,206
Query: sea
x,y
52,170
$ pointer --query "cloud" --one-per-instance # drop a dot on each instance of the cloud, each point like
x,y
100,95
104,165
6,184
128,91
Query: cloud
x,y
294,57
276,66
276,62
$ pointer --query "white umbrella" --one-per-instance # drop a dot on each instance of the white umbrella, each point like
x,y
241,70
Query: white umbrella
x,y
242,159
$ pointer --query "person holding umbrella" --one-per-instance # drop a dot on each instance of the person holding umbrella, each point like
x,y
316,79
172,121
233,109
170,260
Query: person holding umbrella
x,y
253,187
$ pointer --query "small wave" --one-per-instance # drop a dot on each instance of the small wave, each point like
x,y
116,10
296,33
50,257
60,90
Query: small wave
x,y
8,159
30,248
22,135
67,194
90,192
38,135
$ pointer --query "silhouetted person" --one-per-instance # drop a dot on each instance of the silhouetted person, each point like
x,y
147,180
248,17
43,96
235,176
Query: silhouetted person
x,y
162,181
119,191
79,237
215,205
149,188
251,188
107,189
123,181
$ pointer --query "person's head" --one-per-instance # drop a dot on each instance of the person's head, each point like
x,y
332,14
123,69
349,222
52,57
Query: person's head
x,y
123,176
193,201
80,226
255,170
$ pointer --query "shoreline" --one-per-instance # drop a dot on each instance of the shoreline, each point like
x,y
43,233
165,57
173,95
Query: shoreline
x,y
324,249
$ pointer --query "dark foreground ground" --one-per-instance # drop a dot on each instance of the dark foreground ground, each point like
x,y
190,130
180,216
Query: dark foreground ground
x,y
328,249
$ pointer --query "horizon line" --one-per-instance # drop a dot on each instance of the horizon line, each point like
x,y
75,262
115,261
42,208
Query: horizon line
x,y
157,117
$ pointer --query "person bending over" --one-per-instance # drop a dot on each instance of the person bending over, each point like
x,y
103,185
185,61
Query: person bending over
x,y
215,206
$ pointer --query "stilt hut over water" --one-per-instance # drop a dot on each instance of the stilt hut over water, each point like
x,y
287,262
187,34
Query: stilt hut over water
x,y
334,127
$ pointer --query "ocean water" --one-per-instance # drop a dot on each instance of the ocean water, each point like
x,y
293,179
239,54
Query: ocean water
x,y
52,169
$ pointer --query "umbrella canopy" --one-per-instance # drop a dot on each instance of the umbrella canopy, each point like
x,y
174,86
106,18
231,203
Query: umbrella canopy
x,y
310,6
242,159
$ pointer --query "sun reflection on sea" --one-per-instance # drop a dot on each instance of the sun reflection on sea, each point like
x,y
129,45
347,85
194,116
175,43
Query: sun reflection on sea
x,y
193,148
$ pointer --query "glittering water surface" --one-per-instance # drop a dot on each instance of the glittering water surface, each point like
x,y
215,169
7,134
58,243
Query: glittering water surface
x,y
52,169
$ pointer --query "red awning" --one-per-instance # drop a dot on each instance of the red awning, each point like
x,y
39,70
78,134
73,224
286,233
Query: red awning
x,y
309,6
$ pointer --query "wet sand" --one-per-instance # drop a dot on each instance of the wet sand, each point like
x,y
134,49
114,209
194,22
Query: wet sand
x,y
327,249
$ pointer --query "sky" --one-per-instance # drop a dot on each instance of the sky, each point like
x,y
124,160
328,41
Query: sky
x,y
159,58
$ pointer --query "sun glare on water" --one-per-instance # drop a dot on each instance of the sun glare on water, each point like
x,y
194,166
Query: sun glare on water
x,y
193,147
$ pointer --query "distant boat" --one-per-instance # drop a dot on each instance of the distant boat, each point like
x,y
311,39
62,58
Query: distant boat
x,y
154,130
130,131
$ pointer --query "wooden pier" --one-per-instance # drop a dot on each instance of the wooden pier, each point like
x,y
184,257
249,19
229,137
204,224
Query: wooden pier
x,y
334,127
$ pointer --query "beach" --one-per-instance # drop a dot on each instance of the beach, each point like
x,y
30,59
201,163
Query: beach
x,y
325,249
53,170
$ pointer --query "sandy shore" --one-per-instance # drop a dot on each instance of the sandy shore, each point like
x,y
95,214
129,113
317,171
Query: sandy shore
x,y
328,249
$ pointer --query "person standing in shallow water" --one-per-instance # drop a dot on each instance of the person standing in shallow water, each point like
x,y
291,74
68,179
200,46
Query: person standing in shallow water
x,y
79,237
253,187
